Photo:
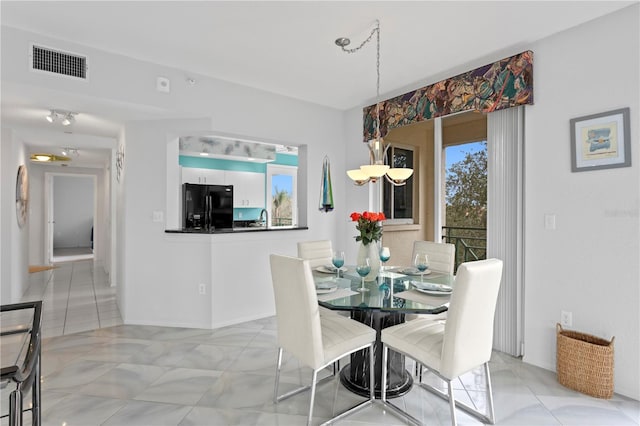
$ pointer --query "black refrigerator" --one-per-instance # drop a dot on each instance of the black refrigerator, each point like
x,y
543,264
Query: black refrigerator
x,y
207,207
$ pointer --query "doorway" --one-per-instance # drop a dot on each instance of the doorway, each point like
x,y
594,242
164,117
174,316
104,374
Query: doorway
x,y
70,217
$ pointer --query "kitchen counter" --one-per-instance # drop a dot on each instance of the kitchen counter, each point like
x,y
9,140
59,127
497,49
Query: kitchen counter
x,y
232,230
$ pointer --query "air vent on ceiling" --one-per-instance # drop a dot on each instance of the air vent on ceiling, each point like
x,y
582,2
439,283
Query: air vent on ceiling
x,y
59,62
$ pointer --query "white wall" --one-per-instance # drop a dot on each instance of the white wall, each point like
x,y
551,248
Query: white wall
x,y
14,240
589,264
162,272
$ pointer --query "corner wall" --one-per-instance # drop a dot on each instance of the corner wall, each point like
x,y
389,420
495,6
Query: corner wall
x,y
589,264
14,278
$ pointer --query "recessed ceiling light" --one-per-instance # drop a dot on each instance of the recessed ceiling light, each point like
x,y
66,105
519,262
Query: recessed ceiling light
x,y
41,157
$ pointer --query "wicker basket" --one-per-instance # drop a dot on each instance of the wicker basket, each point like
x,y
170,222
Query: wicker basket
x,y
585,363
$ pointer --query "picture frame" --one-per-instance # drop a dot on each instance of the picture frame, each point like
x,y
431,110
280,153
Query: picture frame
x,y
601,141
22,195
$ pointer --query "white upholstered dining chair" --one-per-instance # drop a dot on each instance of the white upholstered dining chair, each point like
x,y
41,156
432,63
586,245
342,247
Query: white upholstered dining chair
x,y
315,341
318,253
460,344
442,256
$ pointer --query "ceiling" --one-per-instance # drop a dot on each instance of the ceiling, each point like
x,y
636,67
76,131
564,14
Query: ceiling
x,y
286,47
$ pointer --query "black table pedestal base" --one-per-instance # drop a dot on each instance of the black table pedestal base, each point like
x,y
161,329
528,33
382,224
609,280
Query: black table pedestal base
x,y
355,376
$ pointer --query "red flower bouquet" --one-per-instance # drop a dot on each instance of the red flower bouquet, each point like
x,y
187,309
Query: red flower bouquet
x,y
370,226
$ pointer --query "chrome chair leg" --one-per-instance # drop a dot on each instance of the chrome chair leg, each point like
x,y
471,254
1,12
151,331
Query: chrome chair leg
x,y
279,364
372,378
314,377
452,403
35,394
490,412
383,383
15,408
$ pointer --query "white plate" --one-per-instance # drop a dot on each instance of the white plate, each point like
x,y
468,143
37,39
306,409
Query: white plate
x,y
432,288
434,293
329,269
413,271
325,288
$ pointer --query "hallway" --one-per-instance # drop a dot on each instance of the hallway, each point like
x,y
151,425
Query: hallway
x,y
76,297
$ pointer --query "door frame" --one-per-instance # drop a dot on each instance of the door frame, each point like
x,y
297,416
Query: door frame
x,y
49,213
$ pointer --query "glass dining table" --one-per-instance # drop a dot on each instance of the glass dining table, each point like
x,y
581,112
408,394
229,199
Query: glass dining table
x,y
397,291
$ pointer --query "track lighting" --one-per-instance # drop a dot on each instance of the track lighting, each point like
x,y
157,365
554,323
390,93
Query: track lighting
x,y
66,118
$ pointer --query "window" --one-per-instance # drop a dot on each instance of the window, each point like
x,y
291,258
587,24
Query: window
x,y
281,195
398,200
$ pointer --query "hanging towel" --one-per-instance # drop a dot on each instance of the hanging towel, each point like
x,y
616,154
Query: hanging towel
x,y
326,193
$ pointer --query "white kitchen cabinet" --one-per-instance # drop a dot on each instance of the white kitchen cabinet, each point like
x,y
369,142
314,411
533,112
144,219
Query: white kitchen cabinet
x,y
248,188
203,176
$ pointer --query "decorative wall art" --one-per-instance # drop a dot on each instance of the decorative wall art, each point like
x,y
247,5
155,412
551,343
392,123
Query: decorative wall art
x,y
22,195
227,147
503,84
326,190
600,141
119,162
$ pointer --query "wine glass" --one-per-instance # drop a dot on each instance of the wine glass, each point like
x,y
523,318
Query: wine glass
x,y
421,262
363,268
385,254
338,262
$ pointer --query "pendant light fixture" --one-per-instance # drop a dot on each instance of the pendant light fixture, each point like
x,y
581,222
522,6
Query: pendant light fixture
x,y
377,148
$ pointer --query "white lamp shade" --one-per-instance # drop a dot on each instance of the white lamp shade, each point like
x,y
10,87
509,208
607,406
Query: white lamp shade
x,y
357,175
374,170
399,174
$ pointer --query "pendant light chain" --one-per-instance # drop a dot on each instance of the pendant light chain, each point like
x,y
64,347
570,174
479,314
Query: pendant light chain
x,y
377,151
378,80
375,31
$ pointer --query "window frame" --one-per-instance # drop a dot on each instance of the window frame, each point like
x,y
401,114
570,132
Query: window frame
x,y
386,184
280,169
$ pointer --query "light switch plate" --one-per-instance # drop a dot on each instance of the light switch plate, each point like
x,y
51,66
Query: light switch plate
x,y
158,216
550,222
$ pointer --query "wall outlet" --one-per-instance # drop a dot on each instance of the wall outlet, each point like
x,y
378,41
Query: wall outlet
x,y
202,289
566,319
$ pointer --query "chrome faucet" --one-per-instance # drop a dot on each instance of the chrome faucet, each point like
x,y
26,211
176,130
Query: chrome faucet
x,y
266,217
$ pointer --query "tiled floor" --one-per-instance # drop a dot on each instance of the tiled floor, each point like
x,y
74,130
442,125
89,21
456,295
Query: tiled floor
x,y
144,375
76,297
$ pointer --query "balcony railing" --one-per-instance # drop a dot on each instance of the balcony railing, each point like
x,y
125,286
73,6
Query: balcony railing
x,y
471,243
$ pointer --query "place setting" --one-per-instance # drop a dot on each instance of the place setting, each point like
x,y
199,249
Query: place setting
x,y
335,267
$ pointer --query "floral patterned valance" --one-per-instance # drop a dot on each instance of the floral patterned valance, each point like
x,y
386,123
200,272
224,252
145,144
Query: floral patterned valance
x,y
503,84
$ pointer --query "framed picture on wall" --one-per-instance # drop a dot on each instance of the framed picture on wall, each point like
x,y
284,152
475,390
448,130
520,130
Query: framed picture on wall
x,y
22,195
600,141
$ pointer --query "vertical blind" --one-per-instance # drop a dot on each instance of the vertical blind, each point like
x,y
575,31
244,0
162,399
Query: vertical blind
x,y
505,150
